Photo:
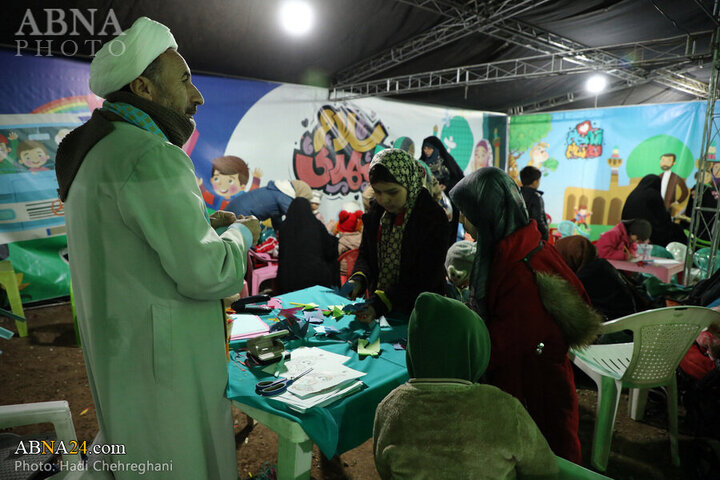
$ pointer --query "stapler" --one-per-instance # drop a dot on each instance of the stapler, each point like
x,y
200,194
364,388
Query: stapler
x,y
241,305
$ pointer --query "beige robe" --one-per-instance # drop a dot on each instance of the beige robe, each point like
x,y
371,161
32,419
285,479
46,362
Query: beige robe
x,y
148,273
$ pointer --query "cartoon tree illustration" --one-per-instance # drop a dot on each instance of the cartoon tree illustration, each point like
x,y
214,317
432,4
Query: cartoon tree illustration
x,y
458,139
645,158
525,131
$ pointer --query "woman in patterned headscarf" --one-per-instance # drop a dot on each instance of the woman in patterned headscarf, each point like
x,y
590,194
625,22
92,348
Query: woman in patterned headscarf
x,y
404,240
533,304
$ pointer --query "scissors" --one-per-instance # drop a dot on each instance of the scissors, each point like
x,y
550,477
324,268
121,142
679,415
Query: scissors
x,y
269,388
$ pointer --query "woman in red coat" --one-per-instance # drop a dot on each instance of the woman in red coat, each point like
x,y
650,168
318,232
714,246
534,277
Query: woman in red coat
x,y
526,310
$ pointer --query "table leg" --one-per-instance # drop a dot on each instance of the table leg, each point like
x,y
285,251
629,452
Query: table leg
x,y
294,459
294,446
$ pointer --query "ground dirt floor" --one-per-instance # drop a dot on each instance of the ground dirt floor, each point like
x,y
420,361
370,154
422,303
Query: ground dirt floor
x,y
47,365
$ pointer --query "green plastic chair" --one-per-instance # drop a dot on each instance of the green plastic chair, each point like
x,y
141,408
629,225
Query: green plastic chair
x,y
660,252
571,471
698,241
661,338
701,259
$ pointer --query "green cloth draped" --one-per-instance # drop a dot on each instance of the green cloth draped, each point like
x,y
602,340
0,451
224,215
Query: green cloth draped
x,y
492,201
135,116
446,340
407,173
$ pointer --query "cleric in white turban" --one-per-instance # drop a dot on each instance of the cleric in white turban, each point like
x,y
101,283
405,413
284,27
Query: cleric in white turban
x,y
124,58
149,271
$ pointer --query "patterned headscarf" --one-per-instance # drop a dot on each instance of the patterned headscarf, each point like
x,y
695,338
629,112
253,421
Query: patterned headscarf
x,y
406,172
492,202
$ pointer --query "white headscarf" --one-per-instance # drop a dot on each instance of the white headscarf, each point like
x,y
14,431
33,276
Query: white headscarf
x,y
124,58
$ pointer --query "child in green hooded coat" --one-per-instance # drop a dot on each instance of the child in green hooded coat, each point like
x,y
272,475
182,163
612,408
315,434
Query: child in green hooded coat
x,y
470,430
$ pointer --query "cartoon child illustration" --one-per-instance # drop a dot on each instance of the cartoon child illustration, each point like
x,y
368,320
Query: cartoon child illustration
x,y
482,157
229,178
33,155
538,154
6,152
582,215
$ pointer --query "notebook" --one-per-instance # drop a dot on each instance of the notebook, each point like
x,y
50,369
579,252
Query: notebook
x,y
247,326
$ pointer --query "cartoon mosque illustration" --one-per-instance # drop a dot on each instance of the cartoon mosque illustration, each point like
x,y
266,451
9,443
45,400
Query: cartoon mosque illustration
x,y
605,205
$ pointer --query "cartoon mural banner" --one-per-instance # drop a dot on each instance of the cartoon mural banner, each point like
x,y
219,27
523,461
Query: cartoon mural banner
x,y
32,221
249,133
330,145
592,159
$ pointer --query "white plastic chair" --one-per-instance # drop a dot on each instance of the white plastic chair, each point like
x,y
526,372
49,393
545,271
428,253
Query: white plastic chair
x,y
678,250
661,338
57,413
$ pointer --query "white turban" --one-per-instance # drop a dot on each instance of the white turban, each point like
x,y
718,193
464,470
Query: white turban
x,y
124,58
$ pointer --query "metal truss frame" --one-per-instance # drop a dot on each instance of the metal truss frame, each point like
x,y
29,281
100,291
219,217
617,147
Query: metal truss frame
x,y
674,51
711,133
472,17
463,17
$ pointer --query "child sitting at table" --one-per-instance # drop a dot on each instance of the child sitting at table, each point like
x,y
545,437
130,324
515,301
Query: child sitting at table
x,y
620,242
468,430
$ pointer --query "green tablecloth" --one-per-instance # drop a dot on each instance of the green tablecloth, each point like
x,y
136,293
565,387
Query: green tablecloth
x,y
348,422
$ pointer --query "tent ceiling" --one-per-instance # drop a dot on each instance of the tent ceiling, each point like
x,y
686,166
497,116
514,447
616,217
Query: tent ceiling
x,y
242,38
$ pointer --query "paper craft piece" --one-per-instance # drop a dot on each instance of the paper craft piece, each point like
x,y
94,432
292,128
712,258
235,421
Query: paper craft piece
x,y
274,302
398,346
315,317
320,330
305,306
247,326
384,323
336,311
296,327
365,348
374,333
288,312
331,330
665,261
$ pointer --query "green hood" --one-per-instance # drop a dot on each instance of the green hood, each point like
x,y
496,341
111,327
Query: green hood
x,y
446,340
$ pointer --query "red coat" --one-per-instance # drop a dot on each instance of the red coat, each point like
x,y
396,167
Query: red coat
x,y
518,323
615,244
697,362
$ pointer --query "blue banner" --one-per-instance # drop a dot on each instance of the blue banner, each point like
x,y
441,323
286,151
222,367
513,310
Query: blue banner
x,y
592,159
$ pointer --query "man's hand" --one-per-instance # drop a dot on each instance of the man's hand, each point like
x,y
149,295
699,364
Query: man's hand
x,y
366,315
253,224
221,218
